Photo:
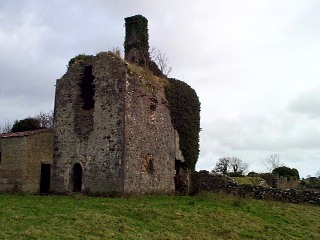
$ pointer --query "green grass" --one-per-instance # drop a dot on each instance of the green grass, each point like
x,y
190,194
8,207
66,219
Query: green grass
x,y
256,181
205,216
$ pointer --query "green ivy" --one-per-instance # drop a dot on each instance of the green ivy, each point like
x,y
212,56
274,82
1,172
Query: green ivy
x,y
137,25
184,106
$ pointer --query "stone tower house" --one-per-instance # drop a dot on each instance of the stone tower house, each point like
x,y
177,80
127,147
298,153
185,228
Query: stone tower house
x,y
113,129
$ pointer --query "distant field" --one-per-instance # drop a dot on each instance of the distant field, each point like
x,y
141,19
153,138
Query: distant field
x,y
205,216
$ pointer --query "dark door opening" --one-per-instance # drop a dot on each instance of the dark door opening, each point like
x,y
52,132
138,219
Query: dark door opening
x,y
45,178
181,177
77,177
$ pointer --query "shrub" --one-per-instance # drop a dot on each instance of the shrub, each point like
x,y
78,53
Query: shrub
x,y
26,125
286,172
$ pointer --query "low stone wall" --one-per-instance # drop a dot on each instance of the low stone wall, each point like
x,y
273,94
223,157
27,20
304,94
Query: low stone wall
x,y
279,182
203,181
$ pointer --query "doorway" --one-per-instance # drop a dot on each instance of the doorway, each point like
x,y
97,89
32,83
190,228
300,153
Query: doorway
x,y
77,177
45,178
181,178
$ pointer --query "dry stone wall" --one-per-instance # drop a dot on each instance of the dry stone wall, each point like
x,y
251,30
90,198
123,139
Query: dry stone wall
x,y
203,181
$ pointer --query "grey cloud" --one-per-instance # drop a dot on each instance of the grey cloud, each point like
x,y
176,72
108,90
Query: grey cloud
x,y
307,103
266,133
246,60
253,138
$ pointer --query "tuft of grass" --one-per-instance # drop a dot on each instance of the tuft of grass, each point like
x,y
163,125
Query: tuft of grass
x,y
152,82
80,57
204,216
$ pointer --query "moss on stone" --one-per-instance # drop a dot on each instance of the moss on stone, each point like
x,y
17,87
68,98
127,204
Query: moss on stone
x,y
137,35
80,57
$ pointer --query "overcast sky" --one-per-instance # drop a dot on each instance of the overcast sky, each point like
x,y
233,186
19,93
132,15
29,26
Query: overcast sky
x,y
254,65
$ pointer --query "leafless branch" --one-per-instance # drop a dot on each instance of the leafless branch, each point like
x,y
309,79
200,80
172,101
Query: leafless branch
x,y
45,119
272,162
161,59
6,127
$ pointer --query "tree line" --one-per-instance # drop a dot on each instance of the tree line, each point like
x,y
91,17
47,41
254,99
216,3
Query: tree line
x,y
236,167
40,121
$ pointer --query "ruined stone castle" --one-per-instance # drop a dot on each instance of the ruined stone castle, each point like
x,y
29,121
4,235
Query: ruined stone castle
x,y
118,127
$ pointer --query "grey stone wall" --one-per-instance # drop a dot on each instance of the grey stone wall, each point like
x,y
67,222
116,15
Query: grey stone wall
x,y
14,157
203,181
21,157
149,137
40,151
91,137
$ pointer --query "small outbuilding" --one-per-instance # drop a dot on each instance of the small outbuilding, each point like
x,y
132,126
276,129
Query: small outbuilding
x,y
25,161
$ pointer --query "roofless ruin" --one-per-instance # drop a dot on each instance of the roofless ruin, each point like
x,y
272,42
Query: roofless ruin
x,y
119,126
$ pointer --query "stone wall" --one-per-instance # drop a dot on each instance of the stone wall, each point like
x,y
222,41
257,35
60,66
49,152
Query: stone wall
x,y
203,181
13,163
279,181
40,151
150,149
91,136
21,157
286,183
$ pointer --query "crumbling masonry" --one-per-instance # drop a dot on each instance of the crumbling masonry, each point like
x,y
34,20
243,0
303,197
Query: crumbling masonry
x,y
113,129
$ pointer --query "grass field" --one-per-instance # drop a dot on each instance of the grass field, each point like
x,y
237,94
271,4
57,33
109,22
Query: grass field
x,y
205,216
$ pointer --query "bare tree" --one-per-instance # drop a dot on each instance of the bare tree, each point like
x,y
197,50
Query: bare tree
x,y
272,162
318,174
237,165
223,165
45,119
6,127
161,59
245,167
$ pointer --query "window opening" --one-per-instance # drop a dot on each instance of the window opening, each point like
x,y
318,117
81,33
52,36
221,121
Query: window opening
x,y
77,177
87,89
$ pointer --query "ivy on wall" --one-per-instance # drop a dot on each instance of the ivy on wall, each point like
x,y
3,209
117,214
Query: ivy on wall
x,y
137,35
184,106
